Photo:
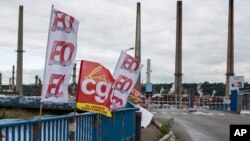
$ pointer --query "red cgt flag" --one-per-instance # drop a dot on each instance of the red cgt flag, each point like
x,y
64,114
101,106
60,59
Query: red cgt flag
x,y
95,88
135,95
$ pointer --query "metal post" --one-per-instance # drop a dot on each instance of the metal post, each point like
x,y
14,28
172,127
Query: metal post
x,y
138,126
72,129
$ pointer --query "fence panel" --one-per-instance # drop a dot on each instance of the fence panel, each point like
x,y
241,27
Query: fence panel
x,y
88,127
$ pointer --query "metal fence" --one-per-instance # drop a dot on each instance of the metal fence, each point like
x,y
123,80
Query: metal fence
x,y
194,102
87,127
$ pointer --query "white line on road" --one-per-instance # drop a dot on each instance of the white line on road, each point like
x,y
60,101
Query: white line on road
x,y
221,114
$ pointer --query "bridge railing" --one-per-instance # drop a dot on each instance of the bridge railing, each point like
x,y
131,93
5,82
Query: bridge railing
x,y
88,127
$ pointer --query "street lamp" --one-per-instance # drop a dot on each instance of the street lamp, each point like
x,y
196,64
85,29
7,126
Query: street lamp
x,y
131,48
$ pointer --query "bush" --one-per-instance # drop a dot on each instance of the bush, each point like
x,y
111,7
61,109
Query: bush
x,y
3,115
16,113
165,128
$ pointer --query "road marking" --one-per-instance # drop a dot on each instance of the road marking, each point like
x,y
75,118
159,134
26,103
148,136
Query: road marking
x,y
201,113
221,114
184,113
164,112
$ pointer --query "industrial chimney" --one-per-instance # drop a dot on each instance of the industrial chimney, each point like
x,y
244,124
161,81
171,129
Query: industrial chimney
x,y
178,56
13,79
74,80
230,47
19,78
10,88
1,82
138,40
148,70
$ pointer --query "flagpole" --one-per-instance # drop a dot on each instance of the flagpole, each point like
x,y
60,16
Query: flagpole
x,y
41,103
52,8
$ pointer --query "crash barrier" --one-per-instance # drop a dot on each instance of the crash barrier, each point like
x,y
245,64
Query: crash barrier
x,y
197,102
80,127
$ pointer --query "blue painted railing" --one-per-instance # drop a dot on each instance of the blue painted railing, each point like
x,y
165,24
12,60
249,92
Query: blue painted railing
x,y
88,127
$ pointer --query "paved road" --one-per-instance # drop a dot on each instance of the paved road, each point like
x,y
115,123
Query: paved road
x,y
201,125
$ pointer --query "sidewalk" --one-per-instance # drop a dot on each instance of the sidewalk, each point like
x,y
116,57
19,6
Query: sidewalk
x,y
151,132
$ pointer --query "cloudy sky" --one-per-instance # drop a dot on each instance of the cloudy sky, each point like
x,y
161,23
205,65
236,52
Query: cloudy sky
x,y
108,26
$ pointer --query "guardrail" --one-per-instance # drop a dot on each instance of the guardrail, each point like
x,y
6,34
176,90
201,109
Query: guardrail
x,y
89,127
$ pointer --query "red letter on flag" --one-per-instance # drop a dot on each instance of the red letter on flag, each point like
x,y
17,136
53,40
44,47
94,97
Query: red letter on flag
x,y
54,85
61,17
59,49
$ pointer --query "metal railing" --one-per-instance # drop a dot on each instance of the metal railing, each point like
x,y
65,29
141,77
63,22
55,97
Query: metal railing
x,y
88,127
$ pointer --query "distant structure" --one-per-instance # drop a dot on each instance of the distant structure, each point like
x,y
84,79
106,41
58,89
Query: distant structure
x,y
178,56
13,79
230,47
74,80
19,78
10,86
1,82
148,70
149,85
36,85
138,40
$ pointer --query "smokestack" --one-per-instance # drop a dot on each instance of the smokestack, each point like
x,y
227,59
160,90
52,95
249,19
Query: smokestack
x,y
10,84
0,82
138,41
19,79
178,56
230,47
148,70
74,79
13,79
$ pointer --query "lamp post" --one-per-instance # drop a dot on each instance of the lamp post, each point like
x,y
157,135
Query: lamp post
x,y
131,48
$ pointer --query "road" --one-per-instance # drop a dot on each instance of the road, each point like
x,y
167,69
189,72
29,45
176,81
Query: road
x,y
201,125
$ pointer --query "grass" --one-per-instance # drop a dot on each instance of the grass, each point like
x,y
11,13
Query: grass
x,y
17,113
165,128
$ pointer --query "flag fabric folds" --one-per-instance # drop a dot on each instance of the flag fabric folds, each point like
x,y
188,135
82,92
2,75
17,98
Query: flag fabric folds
x,y
126,75
94,88
60,56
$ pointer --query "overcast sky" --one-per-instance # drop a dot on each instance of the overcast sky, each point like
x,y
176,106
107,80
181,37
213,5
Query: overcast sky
x,y
108,26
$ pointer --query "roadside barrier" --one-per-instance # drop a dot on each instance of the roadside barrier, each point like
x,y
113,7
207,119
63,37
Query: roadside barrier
x,y
87,127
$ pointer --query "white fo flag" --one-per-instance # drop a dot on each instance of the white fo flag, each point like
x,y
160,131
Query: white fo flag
x,y
126,74
60,56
